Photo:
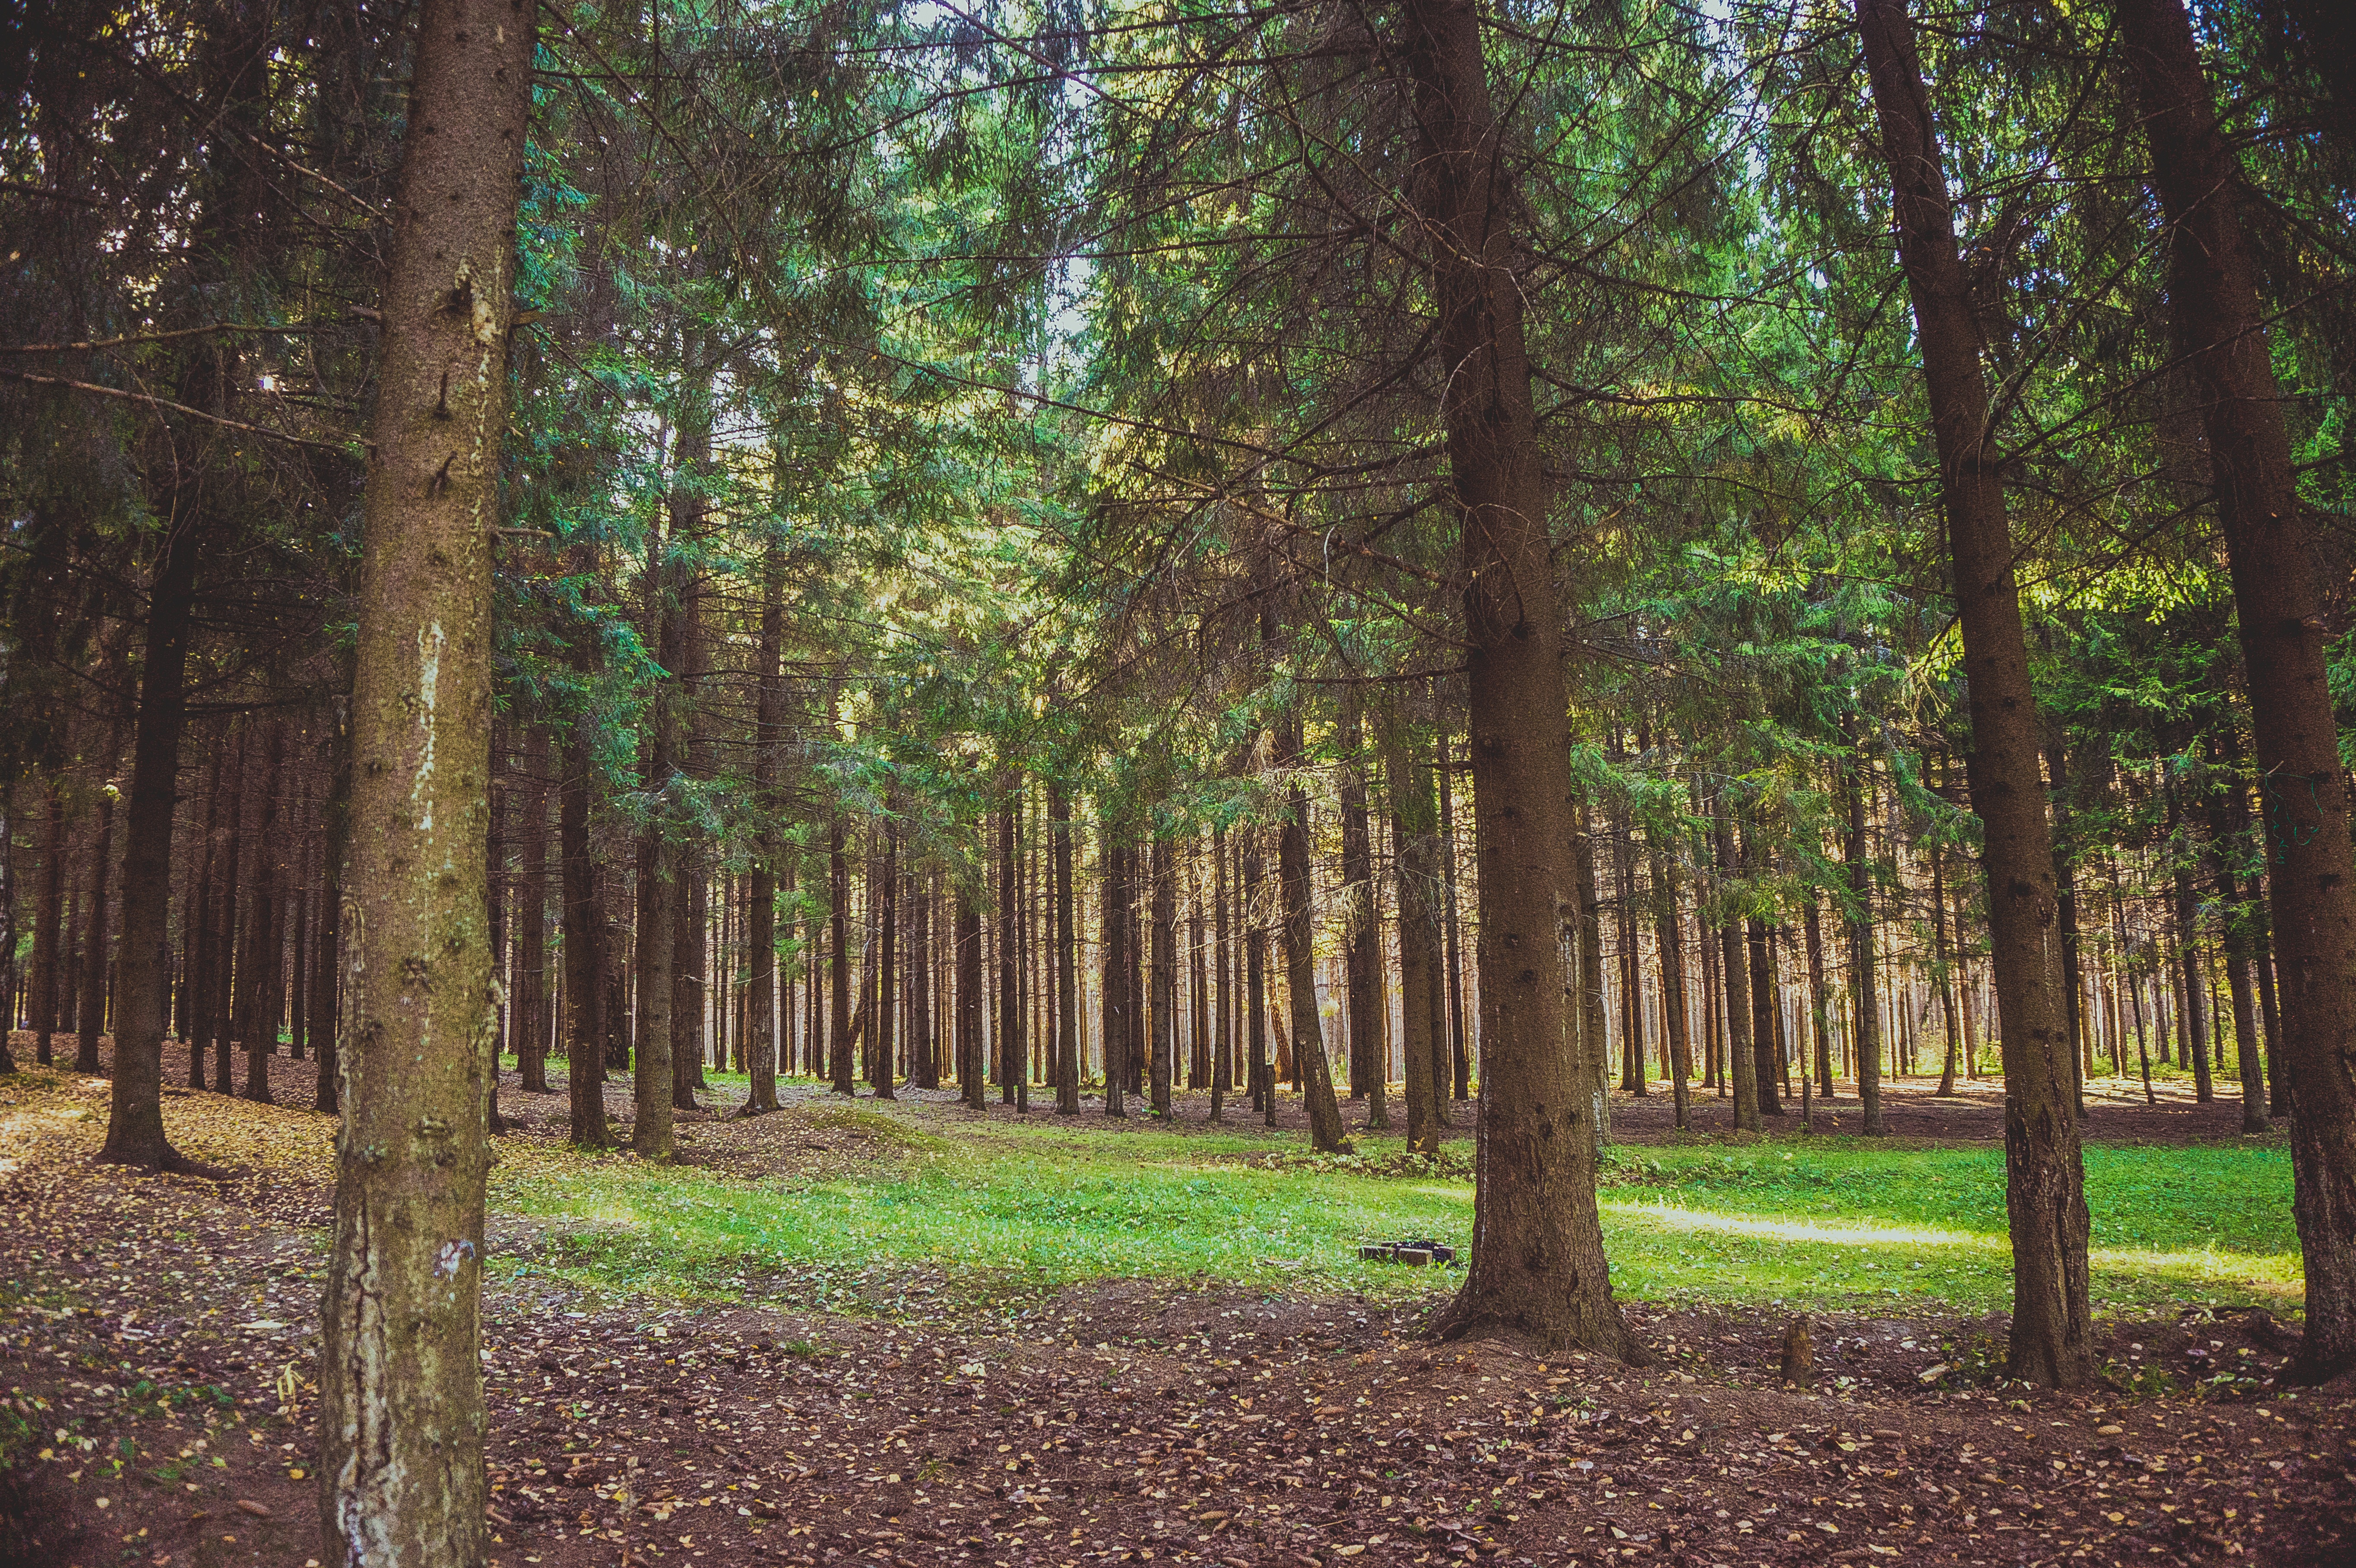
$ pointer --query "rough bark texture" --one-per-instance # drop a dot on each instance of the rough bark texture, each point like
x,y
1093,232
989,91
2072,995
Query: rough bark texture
x,y
401,1417
2215,315
2044,1176
1538,1265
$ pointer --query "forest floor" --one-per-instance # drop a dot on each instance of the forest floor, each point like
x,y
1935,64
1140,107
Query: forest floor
x,y
905,1334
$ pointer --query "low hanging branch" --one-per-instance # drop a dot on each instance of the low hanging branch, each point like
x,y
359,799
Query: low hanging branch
x,y
165,404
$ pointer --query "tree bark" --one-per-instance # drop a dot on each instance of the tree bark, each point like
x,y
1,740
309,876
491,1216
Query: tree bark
x,y
402,1421
1538,1264
143,992
2044,1176
2219,328
530,1001
768,738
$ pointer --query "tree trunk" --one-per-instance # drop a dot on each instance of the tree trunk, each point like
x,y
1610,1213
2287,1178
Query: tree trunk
x,y
401,1419
1767,1072
143,992
1008,1038
1865,1018
259,985
2219,329
49,927
1734,965
1251,873
90,1012
1362,951
1067,958
1415,835
334,823
768,738
1538,1264
841,1067
968,939
1668,936
583,927
1309,1060
530,1000
1162,877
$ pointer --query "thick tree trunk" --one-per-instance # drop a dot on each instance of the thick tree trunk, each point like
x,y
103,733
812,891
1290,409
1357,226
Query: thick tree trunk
x,y
401,1419
2045,1180
1538,1264
2219,328
143,992
1767,1070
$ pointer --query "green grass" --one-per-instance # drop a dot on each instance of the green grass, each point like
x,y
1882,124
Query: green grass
x,y
999,1212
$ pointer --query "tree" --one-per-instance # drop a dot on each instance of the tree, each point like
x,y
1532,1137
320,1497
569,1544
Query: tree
x,y
2045,1182
2222,337
1538,1264
401,1419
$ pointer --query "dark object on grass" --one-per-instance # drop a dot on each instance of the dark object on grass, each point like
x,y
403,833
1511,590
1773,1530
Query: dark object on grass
x,y
1414,1253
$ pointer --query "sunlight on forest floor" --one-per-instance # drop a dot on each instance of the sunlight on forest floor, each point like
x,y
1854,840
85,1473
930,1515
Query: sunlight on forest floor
x,y
949,1210
913,1209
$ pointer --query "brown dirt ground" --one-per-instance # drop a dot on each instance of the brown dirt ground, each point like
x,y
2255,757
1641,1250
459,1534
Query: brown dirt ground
x,y
1119,1423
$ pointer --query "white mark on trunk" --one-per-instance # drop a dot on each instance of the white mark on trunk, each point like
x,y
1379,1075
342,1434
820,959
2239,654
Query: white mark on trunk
x,y
430,643
451,1258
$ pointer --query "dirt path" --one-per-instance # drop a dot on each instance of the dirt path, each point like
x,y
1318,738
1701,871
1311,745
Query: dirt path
x,y
166,1328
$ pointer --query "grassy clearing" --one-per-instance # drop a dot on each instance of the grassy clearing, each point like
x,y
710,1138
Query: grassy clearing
x,y
998,1211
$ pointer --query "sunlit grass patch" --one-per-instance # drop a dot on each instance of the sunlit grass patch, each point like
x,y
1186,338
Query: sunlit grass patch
x,y
1001,1209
